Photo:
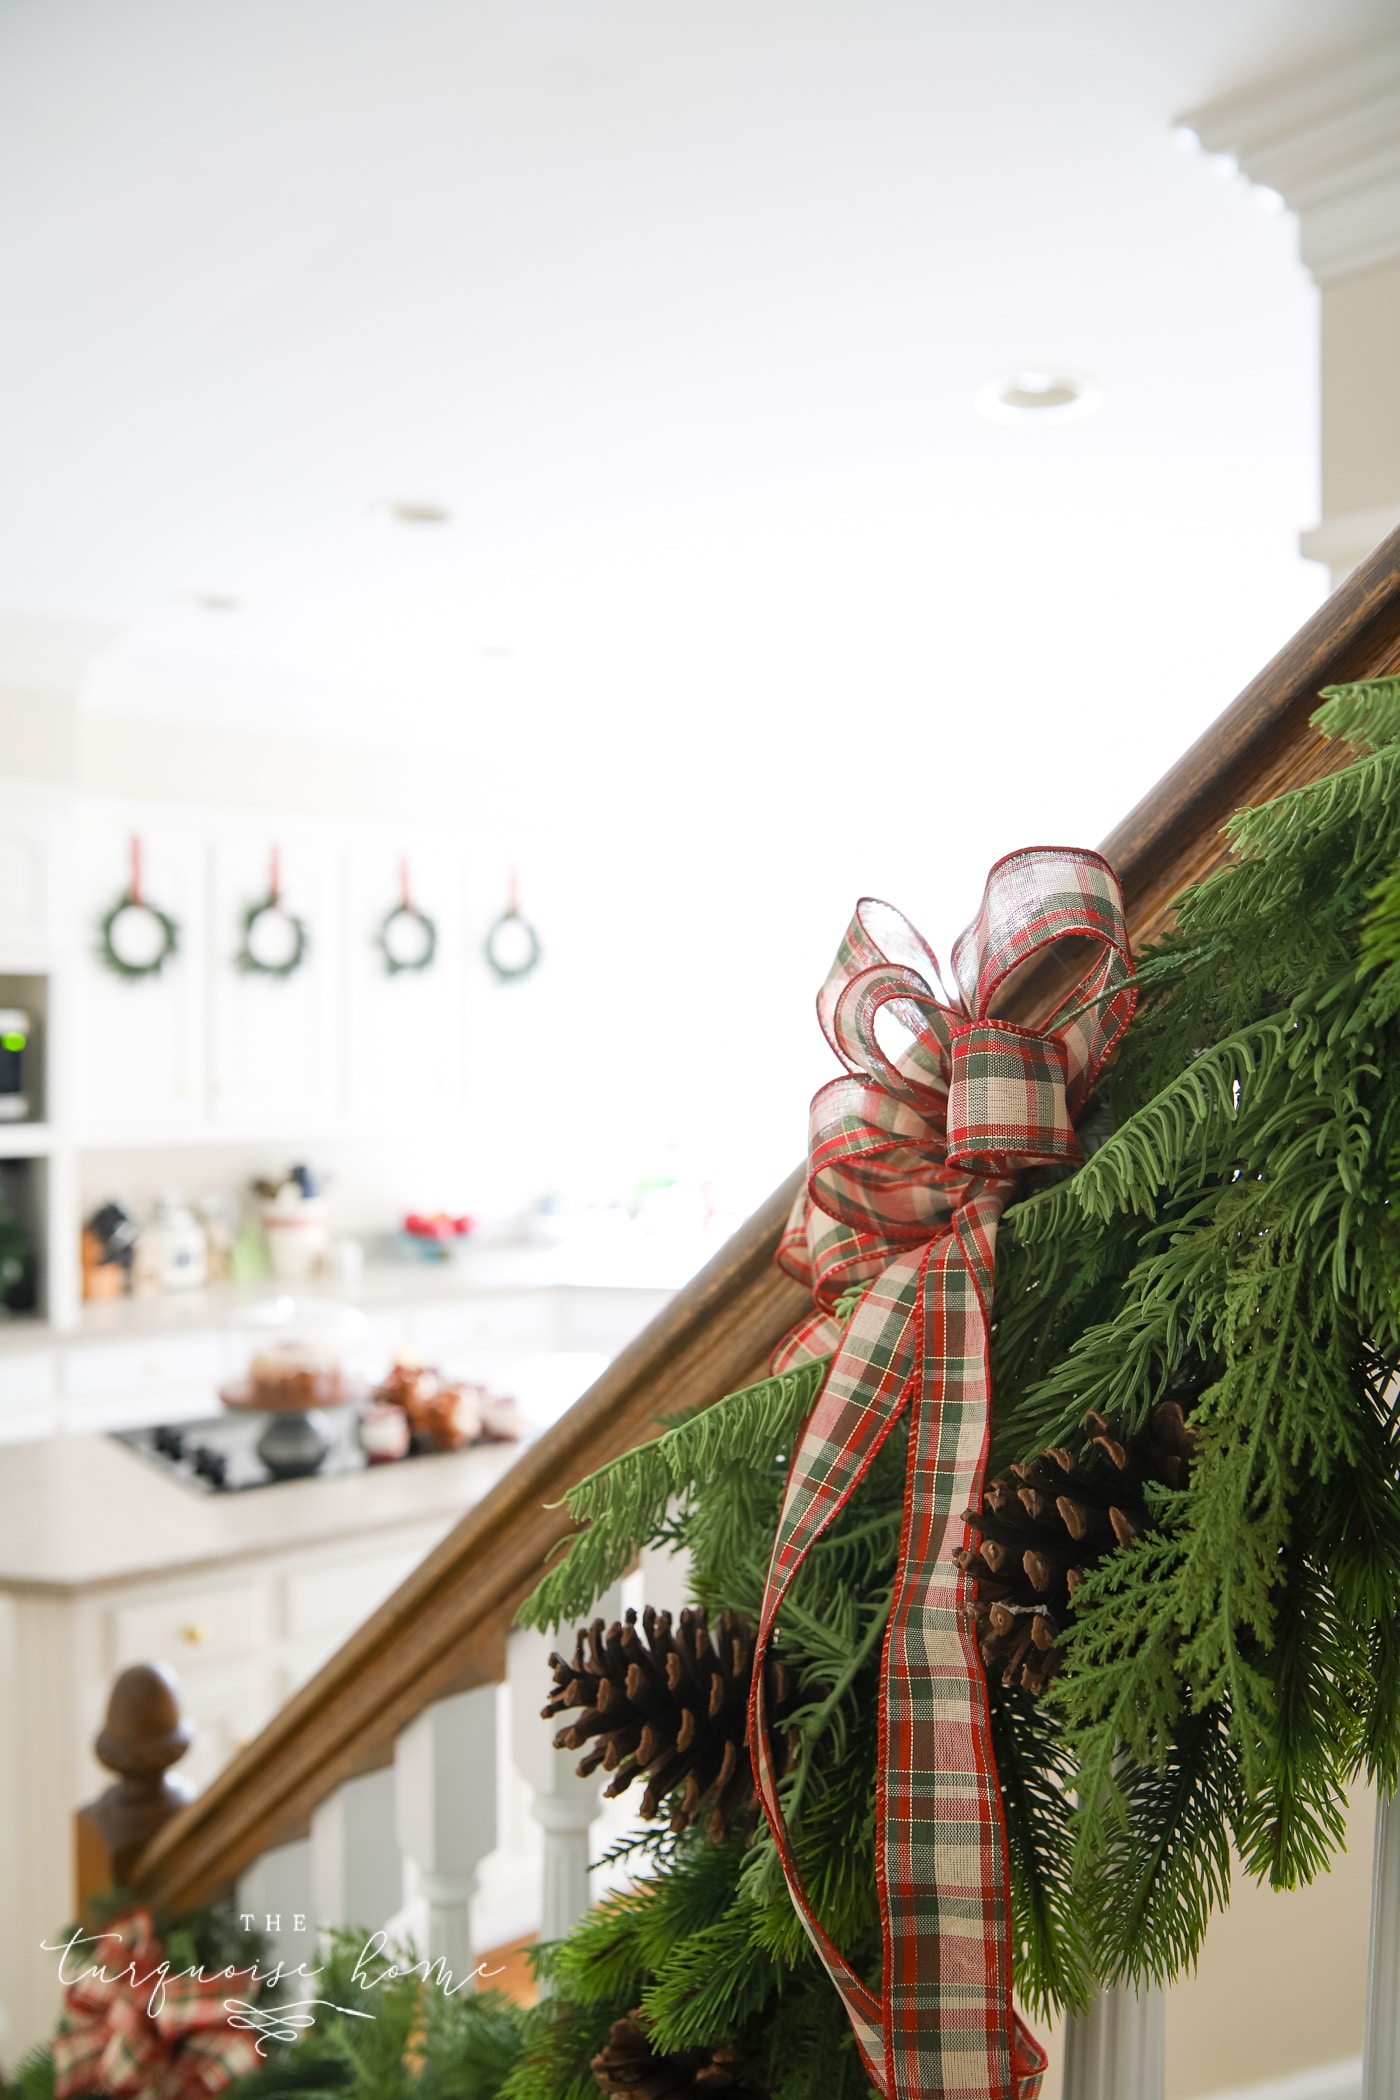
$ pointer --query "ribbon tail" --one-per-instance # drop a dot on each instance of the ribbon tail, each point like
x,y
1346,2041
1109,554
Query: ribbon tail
x,y
942,2026
951,2031
852,1416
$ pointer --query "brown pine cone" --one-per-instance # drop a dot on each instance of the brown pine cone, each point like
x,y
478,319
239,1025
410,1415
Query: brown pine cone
x,y
627,2068
1044,1529
671,1708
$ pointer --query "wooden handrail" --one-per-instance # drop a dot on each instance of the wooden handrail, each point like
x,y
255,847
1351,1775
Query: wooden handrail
x,y
443,1630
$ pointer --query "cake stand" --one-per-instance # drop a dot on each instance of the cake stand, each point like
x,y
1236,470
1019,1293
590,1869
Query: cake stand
x,y
294,1441
309,1340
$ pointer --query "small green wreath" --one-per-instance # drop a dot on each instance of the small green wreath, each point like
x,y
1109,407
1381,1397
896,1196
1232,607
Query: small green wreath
x,y
136,938
512,946
407,939
274,960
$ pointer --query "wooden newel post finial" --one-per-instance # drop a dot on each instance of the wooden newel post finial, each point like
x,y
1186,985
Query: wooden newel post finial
x,y
144,1733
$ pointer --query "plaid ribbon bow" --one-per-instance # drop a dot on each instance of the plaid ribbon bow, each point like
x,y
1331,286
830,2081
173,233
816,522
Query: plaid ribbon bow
x,y
913,1157
111,2041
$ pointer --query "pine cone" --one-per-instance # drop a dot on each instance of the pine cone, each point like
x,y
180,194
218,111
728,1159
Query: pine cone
x,y
671,1708
1042,1532
627,2068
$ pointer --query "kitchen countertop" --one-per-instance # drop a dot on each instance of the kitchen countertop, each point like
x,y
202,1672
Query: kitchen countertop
x,y
485,1272
82,1512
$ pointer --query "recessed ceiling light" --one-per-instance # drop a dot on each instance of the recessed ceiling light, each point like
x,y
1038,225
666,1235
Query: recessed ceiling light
x,y
413,511
1037,395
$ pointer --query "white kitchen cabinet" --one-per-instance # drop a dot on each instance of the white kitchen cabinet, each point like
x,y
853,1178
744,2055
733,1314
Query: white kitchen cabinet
x,y
205,1051
31,877
28,1388
226,1705
404,1034
138,1044
276,1042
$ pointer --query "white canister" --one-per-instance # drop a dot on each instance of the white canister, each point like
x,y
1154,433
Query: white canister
x,y
297,1234
182,1253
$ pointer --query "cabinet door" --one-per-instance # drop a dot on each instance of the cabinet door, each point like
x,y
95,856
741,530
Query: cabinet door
x,y
26,1395
28,874
404,1038
275,1049
226,1707
138,1045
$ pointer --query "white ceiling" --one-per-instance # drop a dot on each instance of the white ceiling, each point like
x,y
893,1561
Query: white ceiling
x,y
599,272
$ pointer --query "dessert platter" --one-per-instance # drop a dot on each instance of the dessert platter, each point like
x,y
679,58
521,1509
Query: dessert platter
x,y
300,1409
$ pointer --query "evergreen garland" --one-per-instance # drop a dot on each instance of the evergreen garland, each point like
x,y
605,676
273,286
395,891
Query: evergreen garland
x,y
1232,1672
1229,1672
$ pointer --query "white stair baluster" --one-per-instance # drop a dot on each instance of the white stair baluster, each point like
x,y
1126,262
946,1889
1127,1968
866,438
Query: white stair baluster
x,y
1117,2050
445,1815
356,1872
1380,2078
563,1804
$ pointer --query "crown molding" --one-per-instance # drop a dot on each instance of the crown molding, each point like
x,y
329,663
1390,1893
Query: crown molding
x,y
1328,139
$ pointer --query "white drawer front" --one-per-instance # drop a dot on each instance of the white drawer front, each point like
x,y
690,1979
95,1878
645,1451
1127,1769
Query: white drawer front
x,y
27,1379
164,1363
334,1600
192,1626
226,1707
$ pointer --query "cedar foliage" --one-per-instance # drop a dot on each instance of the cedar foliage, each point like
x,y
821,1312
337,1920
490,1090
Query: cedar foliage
x,y
1231,1672
1231,1243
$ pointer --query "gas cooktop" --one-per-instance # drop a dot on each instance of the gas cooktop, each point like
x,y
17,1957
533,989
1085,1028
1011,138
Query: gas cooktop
x,y
219,1457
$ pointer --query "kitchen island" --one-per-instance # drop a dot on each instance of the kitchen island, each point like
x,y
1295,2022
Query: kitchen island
x,y
105,1561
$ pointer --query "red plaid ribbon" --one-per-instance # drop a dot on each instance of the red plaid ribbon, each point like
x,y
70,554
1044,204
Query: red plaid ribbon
x,y
913,1156
125,2030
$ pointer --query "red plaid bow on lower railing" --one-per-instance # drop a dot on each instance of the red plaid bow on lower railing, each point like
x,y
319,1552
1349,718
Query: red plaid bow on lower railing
x,y
913,1157
125,2031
